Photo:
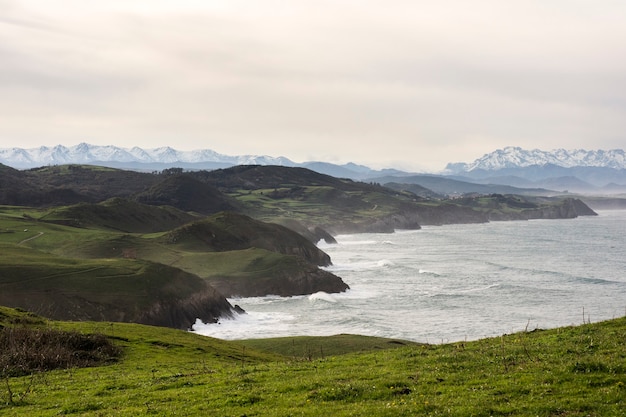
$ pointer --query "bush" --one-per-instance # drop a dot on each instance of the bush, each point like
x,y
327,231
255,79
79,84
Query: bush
x,y
24,351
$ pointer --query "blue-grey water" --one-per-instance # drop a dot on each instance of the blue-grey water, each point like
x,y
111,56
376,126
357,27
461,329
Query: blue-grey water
x,y
457,282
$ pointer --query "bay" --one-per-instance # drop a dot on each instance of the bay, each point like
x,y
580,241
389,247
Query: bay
x,y
455,282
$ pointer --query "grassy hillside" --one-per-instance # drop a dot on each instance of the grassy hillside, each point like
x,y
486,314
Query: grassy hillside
x,y
288,195
452,186
315,347
92,183
237,254
188,194
574,371
44,268
125,261
121,215
231,231
296,197
110,289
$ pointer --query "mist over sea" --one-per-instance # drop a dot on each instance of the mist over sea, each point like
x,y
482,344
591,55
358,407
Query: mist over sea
x,y
457,282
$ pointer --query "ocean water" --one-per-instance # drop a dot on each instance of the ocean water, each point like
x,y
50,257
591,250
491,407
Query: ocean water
x,y
458,282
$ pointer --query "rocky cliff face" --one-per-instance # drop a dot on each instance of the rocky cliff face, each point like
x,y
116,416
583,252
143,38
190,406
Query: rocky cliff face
x,y
208,306
411,219
178,313
407,220
128,291
449,214
568,209
463,211
307,279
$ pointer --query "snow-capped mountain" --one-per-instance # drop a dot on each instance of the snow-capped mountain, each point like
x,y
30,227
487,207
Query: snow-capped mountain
x,y
163,158
93,154
515,157
560,169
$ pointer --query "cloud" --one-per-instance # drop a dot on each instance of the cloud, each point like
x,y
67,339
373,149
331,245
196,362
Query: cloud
x,y
413,82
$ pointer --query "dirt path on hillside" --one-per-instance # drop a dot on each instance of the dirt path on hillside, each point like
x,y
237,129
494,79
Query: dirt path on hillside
x,y
31,238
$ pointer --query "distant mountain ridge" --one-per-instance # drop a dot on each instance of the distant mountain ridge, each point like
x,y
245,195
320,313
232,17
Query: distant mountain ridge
x,y
582,171
157,159
516,157
85,153
578,170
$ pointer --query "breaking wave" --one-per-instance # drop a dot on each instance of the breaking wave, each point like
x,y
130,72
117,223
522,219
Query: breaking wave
x,y
322,296
359,265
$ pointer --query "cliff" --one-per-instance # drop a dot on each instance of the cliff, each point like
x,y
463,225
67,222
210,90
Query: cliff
x,y
290,276
116,290
568,208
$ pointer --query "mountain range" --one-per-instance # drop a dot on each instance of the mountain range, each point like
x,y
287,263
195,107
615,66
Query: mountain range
x,y
85,153
507,170
581,171
166,157
516,157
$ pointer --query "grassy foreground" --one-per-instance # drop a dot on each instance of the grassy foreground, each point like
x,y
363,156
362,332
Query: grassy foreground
x,y
574,371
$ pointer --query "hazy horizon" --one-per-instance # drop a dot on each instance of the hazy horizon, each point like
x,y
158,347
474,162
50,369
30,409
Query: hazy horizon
x,y
408,84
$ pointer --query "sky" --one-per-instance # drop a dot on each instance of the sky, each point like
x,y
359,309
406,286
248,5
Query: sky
x,y
407,84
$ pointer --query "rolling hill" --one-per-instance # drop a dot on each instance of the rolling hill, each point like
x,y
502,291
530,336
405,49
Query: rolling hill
x,y
113,290
162,237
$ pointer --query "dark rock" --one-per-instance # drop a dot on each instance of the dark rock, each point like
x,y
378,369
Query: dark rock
x,y
581,208
568,208
308,279
448,213
312,233
208,306
321,234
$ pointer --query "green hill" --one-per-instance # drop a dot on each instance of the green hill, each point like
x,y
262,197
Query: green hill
x,y
114,289
232,253
296,197
303,200
231,231
188,194
120,214
572,371
159,220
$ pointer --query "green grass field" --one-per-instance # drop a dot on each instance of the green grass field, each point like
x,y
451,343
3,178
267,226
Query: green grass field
x,y
574,371
27,230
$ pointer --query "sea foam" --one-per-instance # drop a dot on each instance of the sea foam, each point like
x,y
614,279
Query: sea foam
x,y
322,296
452,283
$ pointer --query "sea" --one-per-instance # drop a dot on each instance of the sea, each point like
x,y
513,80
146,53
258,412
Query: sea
x,y
452,283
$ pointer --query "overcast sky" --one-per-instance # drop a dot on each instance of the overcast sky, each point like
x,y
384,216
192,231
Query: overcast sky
x,y
411,84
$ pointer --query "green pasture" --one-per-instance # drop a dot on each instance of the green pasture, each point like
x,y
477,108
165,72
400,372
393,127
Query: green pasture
x,y
322,205
28,229
573,371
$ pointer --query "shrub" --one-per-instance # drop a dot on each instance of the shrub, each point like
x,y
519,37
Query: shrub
x,y
24,351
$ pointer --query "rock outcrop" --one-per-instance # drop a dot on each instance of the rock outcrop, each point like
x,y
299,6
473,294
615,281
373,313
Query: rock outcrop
x,y
568,208
448,213
313,234
307,279
207,305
